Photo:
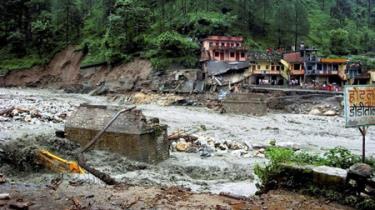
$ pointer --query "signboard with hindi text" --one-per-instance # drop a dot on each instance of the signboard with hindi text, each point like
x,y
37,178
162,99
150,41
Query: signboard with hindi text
x,y
359,105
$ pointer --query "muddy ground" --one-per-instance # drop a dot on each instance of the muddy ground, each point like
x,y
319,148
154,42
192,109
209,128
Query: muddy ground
x,y
227,171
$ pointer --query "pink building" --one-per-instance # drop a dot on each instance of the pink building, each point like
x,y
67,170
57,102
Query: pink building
x,y
223,48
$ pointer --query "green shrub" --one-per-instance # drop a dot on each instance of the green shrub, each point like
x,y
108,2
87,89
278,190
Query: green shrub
x,y
21,63
340,157
279,155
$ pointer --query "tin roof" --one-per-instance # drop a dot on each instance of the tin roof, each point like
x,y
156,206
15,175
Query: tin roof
x,y
294,57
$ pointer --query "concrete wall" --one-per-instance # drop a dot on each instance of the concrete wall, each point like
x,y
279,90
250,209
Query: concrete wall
x,y
246,103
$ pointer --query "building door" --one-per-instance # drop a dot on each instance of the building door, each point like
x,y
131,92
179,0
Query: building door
x,y
237,56
221,55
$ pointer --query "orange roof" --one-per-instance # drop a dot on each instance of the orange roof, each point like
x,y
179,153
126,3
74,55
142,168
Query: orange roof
x,y
333,60
225,38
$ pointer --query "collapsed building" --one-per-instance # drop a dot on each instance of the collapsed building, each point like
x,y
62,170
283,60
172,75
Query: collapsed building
x,y
130,134
224,60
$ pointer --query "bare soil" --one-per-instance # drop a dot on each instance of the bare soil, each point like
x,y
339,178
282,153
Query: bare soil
x,y
137,197
64,71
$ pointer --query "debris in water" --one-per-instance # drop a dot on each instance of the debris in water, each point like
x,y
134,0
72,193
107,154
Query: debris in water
x,y
4,196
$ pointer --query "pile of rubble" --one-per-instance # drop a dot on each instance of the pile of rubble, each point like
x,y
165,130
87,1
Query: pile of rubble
x,y
206,146
153,98
325,110
35,111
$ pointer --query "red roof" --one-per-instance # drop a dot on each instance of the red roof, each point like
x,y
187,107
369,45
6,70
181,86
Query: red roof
x,y
224,38
294,57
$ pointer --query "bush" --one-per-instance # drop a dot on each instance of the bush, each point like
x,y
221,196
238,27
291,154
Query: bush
x,y
340,157
21,63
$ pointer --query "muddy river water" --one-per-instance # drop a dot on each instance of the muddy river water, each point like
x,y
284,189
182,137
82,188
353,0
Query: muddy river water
x,y
224,171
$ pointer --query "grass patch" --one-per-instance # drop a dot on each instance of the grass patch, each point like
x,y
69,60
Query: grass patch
x,y
12,63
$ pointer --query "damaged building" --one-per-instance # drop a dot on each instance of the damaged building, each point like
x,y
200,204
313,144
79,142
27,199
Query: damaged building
x,y
224,60
131,134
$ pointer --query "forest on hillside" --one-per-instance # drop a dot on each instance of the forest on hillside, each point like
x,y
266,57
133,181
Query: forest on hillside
x,y
168,31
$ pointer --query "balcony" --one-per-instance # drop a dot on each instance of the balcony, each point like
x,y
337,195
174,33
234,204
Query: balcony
x,y
297,72
322,72
266,72
227,48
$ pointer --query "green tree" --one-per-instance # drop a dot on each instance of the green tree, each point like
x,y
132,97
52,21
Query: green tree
x,y
339,41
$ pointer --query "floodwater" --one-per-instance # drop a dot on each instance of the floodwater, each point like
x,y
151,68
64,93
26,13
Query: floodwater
x,y
306,131
225,171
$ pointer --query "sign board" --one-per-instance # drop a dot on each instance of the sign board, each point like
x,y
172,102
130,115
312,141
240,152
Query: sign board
x,y
359,105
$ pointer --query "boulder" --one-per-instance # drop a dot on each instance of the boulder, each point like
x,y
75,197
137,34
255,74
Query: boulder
x,y
330,113
361,170
315,112
182,146
28,118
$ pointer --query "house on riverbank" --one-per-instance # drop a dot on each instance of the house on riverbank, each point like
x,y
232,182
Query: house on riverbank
x,y
224,60
266,68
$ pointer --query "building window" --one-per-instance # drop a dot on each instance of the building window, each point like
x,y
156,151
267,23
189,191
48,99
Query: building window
x,y
211,44
232,54
273,68
278,68
242,54
319,67
335,67
238,44
267,66
222,44
216,54
297,66
258,66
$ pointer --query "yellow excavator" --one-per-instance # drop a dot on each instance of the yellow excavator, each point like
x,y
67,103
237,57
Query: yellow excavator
x,y
56,163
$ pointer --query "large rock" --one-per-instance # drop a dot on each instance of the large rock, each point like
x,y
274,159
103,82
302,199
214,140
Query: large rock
x,y
315,112
330,113
361,170
182,146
